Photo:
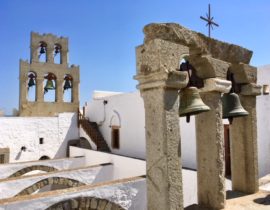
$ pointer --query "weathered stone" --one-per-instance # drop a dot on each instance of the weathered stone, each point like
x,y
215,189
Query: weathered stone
x,y
108,206
210,153
102,204
216,85
94,203
208,67
251,89
244,156
198,43
244,73
175,79
39,107
159,55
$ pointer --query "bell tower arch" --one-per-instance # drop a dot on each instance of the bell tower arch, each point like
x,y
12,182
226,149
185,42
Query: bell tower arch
x,y
49,76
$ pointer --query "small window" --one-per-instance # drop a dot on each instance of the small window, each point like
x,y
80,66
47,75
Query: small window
x,y
115,137
2,158
41,140
4,155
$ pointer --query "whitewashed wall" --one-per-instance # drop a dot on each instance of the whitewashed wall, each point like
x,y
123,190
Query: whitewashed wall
x,y
127,111
12,187
16,132
263,123
123,167
129,195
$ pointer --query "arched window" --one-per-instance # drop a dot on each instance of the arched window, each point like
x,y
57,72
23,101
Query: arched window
x,y
57,53
42,52
67,88
31,86
49,87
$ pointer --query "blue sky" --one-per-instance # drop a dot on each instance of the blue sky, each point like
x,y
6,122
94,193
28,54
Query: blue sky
x,y
103,35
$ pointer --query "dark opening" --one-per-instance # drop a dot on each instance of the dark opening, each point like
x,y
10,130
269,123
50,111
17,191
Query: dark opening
x,y
115,137
41,140
227,151
44,157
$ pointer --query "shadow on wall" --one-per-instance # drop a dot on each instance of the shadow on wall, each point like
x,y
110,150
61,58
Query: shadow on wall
x,y
72,133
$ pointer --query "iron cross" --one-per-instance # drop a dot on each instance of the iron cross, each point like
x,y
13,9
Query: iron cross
x,y
209,21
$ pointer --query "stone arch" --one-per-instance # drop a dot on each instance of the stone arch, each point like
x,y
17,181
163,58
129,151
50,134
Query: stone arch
x,y
50,181
33,168
67,88
42,50
87,203
57,53
31,86
49,84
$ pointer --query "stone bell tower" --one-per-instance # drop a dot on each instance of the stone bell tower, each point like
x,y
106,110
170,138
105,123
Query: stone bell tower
x,y
47,76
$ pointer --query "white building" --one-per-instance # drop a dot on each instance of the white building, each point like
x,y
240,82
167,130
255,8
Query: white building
x,y
125,112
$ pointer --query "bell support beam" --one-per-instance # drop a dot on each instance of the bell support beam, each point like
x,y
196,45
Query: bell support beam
x,y
159,85
244,151
210,146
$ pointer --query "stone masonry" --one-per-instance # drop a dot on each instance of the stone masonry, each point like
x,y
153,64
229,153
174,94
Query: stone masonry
x,y
165,45
39,107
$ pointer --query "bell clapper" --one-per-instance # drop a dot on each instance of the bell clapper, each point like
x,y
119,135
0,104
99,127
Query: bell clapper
x,y
230,120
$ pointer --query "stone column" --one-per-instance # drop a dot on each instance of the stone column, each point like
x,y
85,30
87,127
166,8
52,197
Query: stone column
x,y
23,90
164,168
59,90
39,89
210,147
64,57
49,54
244,152
75,91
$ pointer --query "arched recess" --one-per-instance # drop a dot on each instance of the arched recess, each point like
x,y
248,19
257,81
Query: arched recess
x,y
49,87
33,168
31,86
44,157
42,52
62,182
67,88
87,203
57,54
81,143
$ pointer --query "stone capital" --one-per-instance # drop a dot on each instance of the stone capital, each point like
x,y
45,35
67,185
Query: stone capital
x,y
208,67
244,73
217,85
251,89
173,80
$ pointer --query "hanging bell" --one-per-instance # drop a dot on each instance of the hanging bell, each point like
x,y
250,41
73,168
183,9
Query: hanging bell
x,y
42,50
191,103
49,86
67,84
57,50
232,106
31,82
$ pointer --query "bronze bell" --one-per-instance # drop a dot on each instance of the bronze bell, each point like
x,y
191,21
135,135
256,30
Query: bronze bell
x,y
232,106
42,50
191,103
67,84
31,82
49,86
